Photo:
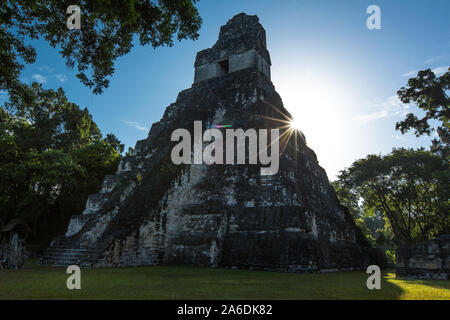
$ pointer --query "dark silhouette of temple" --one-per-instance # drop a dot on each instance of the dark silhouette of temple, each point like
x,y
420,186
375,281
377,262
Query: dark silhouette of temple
x,y
155,212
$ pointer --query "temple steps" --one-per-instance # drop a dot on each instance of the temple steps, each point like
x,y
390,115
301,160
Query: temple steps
x,y
62,256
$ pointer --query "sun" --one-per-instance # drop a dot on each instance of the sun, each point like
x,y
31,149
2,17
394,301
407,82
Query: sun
x,y
294,124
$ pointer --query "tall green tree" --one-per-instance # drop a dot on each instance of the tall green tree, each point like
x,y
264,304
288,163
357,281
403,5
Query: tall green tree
x,y
410,187
372,223
429,93
53,157
108,30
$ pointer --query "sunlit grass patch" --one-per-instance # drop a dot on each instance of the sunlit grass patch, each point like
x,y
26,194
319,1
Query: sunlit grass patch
x,y
421,289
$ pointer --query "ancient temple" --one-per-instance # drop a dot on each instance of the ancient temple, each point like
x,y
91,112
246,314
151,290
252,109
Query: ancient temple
x,y
153,211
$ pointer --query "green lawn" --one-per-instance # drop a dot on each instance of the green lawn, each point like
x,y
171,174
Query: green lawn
x,y
164,282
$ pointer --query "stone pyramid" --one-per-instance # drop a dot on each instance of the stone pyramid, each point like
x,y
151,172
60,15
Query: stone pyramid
x,y
153,211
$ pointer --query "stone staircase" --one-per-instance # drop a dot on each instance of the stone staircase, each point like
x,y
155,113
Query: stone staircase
x,y
62,255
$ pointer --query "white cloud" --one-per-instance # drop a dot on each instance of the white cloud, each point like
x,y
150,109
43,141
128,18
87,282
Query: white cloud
x,y
399,137
136,125
411,73
61,77
437,71
46,68
440,70
437,58
372,116
39,78
390,107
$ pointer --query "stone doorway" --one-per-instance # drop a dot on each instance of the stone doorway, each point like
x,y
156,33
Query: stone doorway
x,y
224,67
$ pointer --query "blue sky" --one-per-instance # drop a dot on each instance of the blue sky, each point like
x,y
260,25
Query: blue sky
x,y
336,77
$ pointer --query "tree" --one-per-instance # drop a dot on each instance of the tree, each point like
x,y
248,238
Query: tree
x,y
372,223
108,29
410,187
429,93
53,157
44,119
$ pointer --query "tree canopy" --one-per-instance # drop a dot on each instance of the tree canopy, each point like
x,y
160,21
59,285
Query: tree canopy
x,y
407,188
108,30
429,93
53,157
410,187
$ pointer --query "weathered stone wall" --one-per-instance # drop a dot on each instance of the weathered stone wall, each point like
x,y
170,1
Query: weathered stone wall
x,y
249,59
236,62
12,252
430,260
206,71
241,33
243,42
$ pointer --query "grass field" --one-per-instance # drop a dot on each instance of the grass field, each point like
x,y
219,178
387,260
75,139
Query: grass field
x,y
164,282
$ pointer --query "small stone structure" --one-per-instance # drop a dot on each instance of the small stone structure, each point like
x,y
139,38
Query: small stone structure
x,y
12,245
241,45
429,260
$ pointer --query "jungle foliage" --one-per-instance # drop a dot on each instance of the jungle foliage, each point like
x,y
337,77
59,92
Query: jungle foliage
x,y
402,198
53,156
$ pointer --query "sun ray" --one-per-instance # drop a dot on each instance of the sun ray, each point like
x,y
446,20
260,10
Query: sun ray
x,y
291,128
276,119
276,109
280,138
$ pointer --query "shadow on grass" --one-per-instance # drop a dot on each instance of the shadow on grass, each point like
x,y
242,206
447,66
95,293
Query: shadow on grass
x,y
395,290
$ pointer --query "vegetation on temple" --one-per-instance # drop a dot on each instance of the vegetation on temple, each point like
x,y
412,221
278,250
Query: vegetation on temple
x,y
53,157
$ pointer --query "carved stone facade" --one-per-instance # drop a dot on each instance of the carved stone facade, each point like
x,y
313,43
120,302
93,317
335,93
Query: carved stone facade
x,y
241,45
155,212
